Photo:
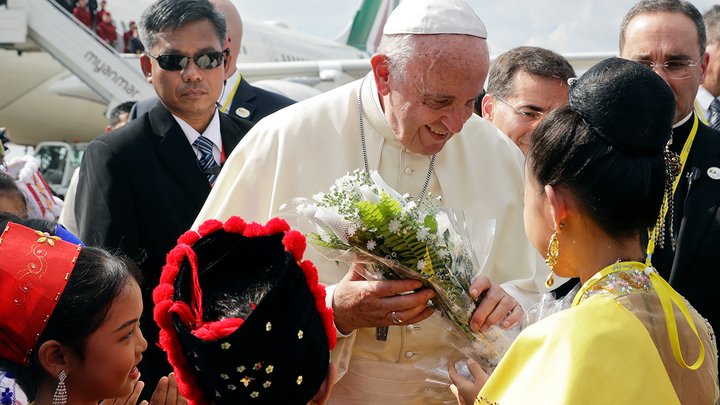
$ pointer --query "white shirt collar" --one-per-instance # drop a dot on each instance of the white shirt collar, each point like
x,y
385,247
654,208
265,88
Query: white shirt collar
x,y
212,132
704,98
682,121
228,88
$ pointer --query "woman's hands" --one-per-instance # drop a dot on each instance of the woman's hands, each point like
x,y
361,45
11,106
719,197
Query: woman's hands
x,y
466,391
128,400
167,392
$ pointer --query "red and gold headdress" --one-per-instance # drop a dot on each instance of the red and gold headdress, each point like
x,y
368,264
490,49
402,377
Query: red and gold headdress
x,y
34,271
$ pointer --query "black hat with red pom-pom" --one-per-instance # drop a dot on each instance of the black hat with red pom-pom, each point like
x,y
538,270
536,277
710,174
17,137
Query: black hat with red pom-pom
x,y
242,316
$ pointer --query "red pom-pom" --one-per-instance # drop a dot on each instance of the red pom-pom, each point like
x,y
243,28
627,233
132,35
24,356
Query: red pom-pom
x,y
235,224
209,226
294,242
310,271
161,315
277,225
188,238
176,255
253,230
163,292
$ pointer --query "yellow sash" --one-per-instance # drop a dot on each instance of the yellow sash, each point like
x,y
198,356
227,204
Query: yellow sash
x,y
667,296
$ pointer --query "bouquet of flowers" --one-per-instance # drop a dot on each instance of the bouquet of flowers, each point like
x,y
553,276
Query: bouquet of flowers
x,y
361,219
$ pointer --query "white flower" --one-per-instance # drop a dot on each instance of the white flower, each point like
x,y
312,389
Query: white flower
x,y
421,265
282,207
422,233
300,209
319,196
394,226
443,362
443,252
371,244
351,229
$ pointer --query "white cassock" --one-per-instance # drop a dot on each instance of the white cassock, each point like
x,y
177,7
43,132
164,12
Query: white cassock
x,y
302,149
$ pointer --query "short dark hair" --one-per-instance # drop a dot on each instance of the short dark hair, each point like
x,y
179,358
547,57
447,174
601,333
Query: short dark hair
x,y
531,59
712,24
171,14
607,146
666,6
120,109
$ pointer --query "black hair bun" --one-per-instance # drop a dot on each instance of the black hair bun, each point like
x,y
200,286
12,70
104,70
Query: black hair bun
x,y
627,104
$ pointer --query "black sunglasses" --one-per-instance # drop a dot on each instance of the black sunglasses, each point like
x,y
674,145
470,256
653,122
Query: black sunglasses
x,y
209,60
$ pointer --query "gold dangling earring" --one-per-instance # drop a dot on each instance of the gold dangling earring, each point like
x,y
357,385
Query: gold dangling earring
x,y
552,258
60,396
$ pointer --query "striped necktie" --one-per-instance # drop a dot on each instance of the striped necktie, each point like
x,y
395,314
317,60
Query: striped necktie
x,y
714,119
205,147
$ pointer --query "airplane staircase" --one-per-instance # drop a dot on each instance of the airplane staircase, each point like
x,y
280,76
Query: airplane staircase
x,y
75,46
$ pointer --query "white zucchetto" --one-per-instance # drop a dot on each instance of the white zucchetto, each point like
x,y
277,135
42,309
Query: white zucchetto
x,y
434,17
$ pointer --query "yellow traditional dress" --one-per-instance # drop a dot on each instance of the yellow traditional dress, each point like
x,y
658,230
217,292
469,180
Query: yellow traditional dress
x,y
622,342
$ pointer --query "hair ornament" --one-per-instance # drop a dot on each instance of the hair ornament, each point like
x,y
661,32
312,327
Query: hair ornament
x,y
237,301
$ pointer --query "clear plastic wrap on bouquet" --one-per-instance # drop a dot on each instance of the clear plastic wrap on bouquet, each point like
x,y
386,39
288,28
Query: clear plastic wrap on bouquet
x,y
444,260
384,235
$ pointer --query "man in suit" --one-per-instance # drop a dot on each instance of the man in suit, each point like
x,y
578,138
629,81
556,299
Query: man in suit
x,y
524,84
708,111
142,185
238,98
669,36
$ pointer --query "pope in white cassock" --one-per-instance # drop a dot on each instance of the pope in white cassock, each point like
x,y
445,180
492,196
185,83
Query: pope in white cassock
x,y
415,107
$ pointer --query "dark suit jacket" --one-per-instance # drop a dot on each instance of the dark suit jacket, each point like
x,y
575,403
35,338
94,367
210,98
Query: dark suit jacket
x,y
258,102
694,268
141,188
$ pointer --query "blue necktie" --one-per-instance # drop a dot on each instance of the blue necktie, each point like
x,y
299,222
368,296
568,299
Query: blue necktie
x,y
714,110
205,147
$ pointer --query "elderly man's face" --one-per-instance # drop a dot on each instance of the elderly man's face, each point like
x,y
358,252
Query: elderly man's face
x,y
190,93
660,37
438,92
518,114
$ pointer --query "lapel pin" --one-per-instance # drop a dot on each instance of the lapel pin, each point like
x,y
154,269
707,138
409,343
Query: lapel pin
x,y
243,112
714,173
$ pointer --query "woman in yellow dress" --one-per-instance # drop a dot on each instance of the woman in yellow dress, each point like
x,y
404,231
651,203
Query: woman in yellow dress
x,y
597,172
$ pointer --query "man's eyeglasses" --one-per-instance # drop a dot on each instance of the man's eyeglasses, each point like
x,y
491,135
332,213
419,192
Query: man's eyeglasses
x,y
674,69
209,60
528,115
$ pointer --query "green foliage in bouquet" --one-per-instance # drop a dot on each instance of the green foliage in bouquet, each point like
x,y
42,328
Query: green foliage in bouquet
x,y
401,238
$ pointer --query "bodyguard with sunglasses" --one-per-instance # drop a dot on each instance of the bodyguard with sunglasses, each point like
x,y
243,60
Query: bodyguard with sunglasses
x,y
239,98
669,37
141,186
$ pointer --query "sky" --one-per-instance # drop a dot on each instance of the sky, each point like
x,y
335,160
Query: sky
x,y
561,25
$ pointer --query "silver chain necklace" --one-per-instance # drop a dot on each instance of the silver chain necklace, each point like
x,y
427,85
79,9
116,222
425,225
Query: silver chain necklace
x,y
364,149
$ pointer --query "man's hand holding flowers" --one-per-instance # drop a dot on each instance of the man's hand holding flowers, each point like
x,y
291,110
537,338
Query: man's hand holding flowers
x,y
360,303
